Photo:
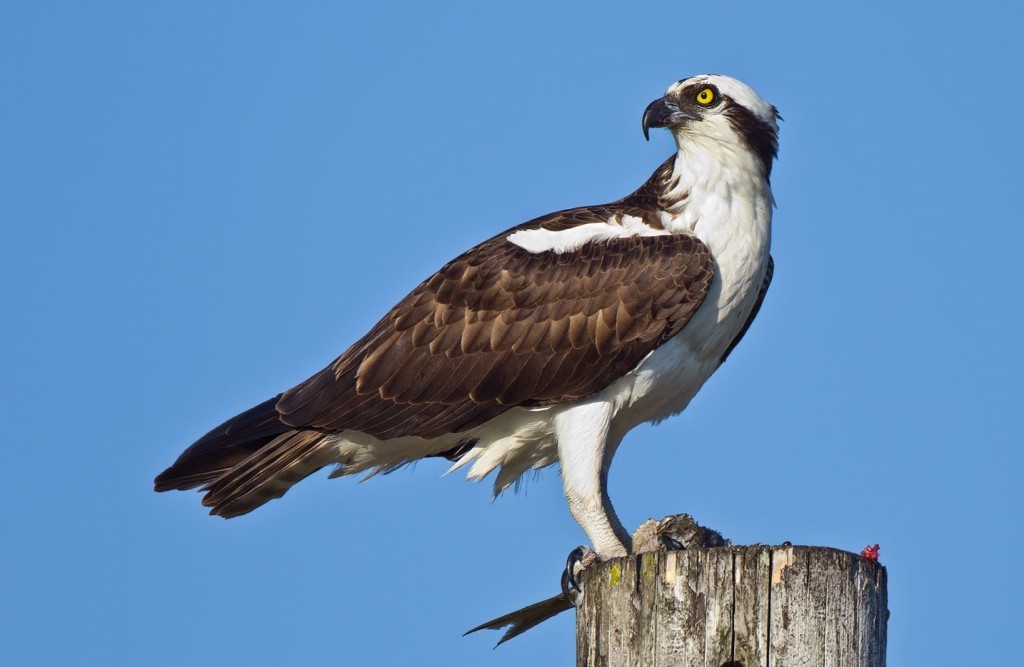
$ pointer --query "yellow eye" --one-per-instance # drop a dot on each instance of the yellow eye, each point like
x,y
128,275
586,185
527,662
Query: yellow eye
x,y
705,96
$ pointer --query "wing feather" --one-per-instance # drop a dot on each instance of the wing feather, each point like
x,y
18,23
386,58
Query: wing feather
x,y
499,327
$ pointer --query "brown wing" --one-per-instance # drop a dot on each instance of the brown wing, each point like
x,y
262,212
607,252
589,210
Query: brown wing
x,y
501,327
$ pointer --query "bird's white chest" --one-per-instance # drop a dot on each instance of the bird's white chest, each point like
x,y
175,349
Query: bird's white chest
x,y
731,213
729,207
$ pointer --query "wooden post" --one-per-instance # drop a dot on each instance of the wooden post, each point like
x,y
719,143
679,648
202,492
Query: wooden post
x,y
734,607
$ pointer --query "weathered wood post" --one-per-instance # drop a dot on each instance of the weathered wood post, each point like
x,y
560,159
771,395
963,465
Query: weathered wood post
x,y
756,606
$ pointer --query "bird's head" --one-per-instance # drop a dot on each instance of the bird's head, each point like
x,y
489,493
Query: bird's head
x,y
720,109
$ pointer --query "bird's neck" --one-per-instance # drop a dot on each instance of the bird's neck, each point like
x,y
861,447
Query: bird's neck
x,y
705,181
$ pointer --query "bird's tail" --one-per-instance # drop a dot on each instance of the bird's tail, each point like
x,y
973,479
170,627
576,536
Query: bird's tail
x,y
267,474
246,461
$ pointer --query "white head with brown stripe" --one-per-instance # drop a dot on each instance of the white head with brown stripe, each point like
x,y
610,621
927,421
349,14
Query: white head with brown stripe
x,y
719,110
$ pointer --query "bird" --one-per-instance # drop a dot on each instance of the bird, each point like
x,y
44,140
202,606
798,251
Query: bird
x,y
543,344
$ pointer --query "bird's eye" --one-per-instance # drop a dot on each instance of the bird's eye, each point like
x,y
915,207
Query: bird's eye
x,y
705,96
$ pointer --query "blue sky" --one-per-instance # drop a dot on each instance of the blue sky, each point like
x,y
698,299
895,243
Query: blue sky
x,y
204,203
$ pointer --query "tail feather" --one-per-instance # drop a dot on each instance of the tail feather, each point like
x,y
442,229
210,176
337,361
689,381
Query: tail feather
x,y
246,461
267,473
223,448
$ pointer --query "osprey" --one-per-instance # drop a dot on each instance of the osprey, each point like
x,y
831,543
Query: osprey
x,y
544,344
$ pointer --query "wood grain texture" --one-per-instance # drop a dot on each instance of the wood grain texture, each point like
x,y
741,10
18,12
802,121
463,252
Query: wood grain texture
x,y
734,607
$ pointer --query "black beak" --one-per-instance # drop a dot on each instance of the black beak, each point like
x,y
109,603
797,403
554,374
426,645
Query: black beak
x,y
664,113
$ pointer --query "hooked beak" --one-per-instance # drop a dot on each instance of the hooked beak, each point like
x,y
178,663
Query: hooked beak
x,y
665,113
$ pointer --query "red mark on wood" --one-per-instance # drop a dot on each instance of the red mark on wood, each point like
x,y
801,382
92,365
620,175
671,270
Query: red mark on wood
x,y
871,553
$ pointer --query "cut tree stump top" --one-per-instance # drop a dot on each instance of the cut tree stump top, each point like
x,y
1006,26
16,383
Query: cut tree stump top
x,y
759,606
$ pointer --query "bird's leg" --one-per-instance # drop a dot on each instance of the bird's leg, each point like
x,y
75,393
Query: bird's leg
x,y
583,450
582,433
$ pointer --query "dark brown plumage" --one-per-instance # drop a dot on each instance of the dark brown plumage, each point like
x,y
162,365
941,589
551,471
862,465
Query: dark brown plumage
x,y
500,327
224,447
496,327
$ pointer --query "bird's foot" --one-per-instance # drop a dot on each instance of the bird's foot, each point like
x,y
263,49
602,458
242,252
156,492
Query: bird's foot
x,y
669,543
579,559
675,533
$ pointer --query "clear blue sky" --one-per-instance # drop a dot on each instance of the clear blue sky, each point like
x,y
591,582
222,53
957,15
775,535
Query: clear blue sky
x,y
203,203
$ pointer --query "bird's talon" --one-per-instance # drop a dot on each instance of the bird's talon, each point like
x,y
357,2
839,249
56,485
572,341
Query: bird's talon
x,y
570,592
579,559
